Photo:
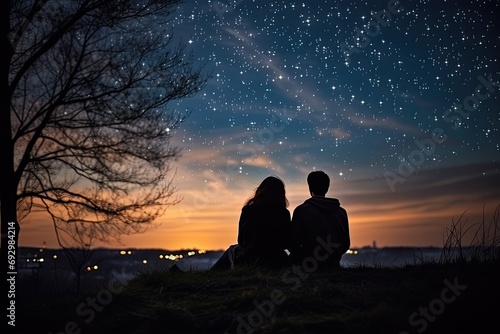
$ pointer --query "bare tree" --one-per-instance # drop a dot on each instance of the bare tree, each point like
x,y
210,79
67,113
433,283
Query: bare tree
x,y
78,251
85,129
76,240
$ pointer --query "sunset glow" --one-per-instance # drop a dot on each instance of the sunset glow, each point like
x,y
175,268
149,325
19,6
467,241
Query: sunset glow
x,y
209,220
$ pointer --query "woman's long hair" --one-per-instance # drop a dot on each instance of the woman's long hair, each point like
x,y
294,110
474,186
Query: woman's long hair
x,y
271,189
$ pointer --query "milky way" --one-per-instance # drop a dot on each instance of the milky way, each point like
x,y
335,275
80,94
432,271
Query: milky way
x,y
344,86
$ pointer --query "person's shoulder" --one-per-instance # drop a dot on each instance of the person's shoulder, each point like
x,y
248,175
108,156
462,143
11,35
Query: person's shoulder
x,y
275,208
303,206
300,206
247,208
307,203
265,206
341,208
344,211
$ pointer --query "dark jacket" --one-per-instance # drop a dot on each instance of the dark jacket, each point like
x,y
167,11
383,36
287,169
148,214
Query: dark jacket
x,y
263,234
320,217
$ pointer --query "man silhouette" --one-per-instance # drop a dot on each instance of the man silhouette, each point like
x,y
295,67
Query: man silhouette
x,y
317,221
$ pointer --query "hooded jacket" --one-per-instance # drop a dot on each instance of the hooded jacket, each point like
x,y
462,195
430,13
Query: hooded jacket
x,y
320,217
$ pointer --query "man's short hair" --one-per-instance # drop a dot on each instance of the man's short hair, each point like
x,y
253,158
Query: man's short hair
x,y
318,182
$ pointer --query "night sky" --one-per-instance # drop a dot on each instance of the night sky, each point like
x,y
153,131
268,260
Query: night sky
x,y
397,102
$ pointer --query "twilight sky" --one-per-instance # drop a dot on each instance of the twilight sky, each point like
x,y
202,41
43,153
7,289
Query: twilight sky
x,y
397,102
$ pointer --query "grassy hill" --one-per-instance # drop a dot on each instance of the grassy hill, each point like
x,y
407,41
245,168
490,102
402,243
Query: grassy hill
x,y
430,298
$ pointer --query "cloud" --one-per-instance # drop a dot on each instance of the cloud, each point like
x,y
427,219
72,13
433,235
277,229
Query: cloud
x,y
385,122
263,161
437,192
339,133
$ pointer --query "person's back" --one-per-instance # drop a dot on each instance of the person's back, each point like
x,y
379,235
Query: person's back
x,y
320,222
263,231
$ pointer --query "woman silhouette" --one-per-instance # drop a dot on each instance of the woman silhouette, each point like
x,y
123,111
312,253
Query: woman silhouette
x,y
263,229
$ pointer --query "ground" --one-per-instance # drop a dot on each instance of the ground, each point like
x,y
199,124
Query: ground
x,y
431,298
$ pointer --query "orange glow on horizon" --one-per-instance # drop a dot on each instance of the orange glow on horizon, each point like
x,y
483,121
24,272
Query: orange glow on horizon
x,y
416,214
214,227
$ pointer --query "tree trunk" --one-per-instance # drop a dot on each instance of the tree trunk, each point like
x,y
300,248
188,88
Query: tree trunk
x,y
8,186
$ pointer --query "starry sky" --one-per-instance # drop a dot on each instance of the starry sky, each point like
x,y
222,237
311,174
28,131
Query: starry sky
x,y
397,101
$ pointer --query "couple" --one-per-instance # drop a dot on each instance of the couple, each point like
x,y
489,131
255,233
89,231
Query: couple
x,y
266,229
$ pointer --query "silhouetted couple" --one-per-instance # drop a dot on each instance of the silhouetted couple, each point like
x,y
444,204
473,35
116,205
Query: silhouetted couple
x,y
317,234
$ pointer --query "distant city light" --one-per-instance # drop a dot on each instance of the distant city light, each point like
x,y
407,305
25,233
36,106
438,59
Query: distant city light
x,y
173,257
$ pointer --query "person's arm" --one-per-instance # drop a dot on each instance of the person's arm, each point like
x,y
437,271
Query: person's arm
x,y
346,241
286,233
295,233
241,229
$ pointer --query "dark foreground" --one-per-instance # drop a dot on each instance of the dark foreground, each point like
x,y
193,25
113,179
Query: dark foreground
x,y
431,298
